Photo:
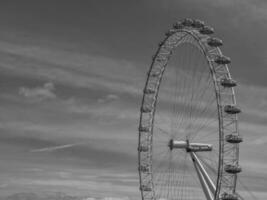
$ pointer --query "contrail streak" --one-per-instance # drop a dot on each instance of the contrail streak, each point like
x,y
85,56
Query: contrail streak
x,y
50,149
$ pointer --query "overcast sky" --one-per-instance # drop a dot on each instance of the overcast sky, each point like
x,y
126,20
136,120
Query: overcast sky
x,y
71,78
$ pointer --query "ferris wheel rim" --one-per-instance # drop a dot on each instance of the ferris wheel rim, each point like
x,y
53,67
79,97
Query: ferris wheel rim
x,y
200,39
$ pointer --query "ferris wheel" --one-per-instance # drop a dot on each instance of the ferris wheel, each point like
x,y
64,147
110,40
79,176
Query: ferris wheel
x,y
188,131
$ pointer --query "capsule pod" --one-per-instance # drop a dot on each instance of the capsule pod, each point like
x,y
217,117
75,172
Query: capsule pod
x,y
222,60
227,82
155,73
231,109
143,168
149,91
232,169
233,138
161,43
143,148
214,42
178,25
228,196
170,32
145,188
198,23
207,30
187,22
144,128
160,58
146,109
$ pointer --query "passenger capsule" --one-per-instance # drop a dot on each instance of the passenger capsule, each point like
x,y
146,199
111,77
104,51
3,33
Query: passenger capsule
x,y
161,43
146,109
160,58
144,128
207,30
145,188
143,168
233,138
232,169
187,22
155,73
214,42
170,32
178,25
142,148
231,109
222,60
228,196
198,23
226,82
149,91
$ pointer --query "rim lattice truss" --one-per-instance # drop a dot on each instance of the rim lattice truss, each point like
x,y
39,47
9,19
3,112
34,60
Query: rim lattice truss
x,y
188,132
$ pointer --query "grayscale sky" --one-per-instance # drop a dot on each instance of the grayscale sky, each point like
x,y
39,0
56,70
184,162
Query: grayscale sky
x,y
72,74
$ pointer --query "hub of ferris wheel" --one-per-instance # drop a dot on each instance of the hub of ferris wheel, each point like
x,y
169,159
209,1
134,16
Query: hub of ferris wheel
x,y
189,147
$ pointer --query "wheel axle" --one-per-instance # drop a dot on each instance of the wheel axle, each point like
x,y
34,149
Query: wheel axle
x,y
189,147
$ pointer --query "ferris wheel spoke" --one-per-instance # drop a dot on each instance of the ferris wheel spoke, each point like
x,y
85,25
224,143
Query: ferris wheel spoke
x,y
194,91
165,182
213,140
203,112
174,109
184,92
209,158
211,168
158,154
157,167
212,133
161,138
183,99
205,124
179,175
162,131
193,94
183,178
195,180
161,118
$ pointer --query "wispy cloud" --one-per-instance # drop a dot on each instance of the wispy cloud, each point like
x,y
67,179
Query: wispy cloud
x,y
60,196
39,93
108,98
71,68
55,148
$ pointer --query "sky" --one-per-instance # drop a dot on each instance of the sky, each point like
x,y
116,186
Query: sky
x,y
71,80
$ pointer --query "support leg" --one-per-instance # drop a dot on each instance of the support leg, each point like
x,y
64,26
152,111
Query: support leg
x,y
204,173
203,183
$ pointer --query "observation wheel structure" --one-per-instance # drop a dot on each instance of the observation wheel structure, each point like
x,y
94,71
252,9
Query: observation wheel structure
x,y
188,131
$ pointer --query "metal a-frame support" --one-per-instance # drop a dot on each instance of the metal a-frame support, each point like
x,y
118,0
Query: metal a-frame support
x,y
205,181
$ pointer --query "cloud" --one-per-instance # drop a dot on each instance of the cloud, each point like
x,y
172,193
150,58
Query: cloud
x,y
115,198
57,196
71,68
108,98
50,149
103,110
34,196
262,140
39,93
70,187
